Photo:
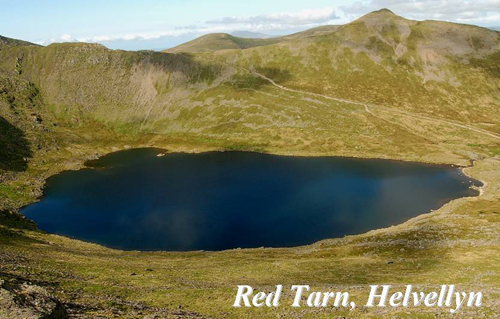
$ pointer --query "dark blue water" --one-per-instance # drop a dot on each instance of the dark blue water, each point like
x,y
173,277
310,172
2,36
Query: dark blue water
x,y
212,201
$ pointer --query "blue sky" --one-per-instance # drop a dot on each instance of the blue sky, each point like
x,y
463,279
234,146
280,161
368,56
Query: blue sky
x,y
152,24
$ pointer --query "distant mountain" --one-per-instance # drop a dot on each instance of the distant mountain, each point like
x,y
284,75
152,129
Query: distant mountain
x,y
223,41
251,35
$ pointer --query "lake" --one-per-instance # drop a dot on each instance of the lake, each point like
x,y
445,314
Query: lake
x,y
135,200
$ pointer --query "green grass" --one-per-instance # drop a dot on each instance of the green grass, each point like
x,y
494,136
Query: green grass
x,y
427,252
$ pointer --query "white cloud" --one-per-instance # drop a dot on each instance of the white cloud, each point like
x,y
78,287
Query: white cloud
x,y
67,38
467,11
300,18
269,22
62,38
155,35
484,12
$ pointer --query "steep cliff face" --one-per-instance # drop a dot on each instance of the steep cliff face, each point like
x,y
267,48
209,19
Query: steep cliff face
x,y
112,86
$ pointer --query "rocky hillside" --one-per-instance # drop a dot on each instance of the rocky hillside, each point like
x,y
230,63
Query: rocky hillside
x,y
104,83
430,67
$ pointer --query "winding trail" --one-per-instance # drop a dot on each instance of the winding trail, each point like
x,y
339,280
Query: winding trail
x,y
379,107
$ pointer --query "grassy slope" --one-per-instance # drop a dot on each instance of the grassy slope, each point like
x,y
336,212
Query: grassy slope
x,y
100,100
457,244
429,67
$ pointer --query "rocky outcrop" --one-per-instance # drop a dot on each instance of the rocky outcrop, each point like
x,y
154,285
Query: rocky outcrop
x,y
25,300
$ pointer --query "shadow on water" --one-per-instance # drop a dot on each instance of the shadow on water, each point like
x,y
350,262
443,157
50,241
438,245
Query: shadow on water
x,y
14,147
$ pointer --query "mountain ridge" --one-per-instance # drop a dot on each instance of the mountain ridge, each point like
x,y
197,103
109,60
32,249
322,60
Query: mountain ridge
x,y
221,41
380,58
8,42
